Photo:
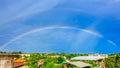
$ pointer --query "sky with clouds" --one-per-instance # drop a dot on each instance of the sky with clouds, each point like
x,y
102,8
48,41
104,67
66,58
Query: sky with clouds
x,y
71,26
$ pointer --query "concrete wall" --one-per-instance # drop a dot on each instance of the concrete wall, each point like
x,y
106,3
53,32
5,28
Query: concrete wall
x,y
6,62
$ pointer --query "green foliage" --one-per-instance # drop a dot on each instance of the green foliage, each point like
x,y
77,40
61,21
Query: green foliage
x,y
51,65
52,54
69,56
32,60
113,61
1,52
51,62
50,59
60,60
93,63
62,54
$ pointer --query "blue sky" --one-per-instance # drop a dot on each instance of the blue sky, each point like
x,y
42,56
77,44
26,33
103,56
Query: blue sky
x,y
71,26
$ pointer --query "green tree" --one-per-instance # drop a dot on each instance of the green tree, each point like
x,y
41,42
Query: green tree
x,y
62,54
69,56
113,61
32,60
52,54
60,59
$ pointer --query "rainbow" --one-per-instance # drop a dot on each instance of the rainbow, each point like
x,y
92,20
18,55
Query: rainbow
x,y
51,27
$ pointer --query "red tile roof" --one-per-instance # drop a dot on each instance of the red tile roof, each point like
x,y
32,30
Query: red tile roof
x,y
17,64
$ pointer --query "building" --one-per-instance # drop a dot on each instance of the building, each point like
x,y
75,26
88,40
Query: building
x,y
6,60
80,64
94,58
19,63
68,64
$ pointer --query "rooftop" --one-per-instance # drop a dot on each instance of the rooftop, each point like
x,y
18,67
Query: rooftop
x,y
9,55
87,58
17,64
80,64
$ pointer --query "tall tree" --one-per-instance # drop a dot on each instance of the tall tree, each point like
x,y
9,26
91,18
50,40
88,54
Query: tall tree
x,y
32,60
